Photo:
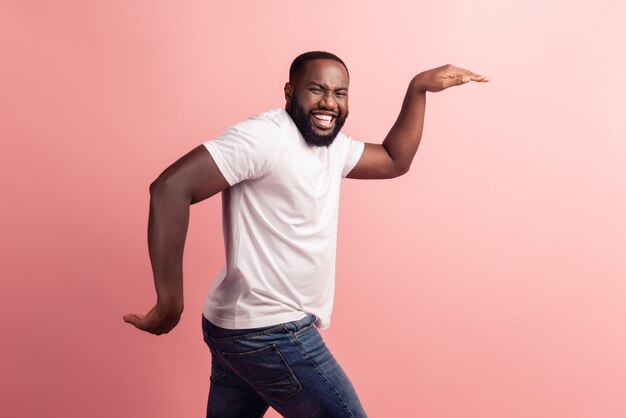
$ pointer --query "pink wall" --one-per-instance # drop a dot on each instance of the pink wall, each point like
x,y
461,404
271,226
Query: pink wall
x,y
488,282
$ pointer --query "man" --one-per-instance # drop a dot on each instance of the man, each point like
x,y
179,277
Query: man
x,y
279,173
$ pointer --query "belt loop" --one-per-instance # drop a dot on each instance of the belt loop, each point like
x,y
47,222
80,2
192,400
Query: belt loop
x,y
298,325
289,326
304,322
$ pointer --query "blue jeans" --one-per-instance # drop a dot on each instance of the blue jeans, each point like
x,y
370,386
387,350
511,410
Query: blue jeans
x,y
285,366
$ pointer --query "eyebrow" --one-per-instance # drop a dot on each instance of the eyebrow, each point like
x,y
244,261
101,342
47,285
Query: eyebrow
x,y
323,87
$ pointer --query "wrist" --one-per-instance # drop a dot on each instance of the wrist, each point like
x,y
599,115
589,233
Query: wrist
x,y
417,85
170,307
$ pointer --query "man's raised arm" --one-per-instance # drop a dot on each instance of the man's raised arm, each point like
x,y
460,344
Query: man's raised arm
x,y
393,158
192,178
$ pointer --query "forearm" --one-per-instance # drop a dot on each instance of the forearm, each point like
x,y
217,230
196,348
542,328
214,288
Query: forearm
x,y
167,230
404,137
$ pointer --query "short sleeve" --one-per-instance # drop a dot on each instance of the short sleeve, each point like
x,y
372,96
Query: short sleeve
x,y
246,150
353,154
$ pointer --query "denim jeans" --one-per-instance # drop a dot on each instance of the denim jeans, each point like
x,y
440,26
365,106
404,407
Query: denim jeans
x,y
285,366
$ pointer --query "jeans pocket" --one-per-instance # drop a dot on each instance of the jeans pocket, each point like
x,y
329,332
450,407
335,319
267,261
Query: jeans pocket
x,y
217,371
266,371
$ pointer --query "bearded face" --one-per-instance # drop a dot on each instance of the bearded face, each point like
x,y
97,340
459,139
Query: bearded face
x,y
317,100
307,121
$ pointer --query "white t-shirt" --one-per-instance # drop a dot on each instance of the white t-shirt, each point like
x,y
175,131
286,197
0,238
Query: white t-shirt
x,y
280,223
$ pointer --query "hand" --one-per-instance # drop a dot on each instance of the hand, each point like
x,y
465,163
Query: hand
x,y
159,320
441,78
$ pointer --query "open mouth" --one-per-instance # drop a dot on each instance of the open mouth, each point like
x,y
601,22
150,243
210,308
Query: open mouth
x,y
323,121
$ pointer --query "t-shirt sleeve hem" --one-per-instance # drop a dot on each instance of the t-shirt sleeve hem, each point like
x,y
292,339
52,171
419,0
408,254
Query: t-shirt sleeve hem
x,y
221,164
353,158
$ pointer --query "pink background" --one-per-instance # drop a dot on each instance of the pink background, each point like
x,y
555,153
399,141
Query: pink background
x,y
488,282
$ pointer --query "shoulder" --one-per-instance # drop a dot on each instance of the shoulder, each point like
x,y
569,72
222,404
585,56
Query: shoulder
x,y
272,121
342,141
249,148
261,130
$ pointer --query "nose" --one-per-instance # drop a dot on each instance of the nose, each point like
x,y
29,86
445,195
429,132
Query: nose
x,y
328,101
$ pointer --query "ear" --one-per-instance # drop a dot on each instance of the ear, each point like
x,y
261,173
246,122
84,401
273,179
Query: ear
x,y
288,92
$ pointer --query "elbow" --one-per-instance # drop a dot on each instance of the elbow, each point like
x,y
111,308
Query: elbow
x,y
170,187
157,186
163,186
401,170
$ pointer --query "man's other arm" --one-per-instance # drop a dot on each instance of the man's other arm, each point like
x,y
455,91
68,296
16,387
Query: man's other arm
x,y
394,156
191,179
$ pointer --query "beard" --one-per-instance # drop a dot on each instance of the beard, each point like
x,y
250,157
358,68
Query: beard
x,y
306,128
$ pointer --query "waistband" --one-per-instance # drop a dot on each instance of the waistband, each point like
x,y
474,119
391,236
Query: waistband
x,y
217,332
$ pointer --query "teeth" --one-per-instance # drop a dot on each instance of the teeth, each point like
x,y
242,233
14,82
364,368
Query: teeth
x,y
326,118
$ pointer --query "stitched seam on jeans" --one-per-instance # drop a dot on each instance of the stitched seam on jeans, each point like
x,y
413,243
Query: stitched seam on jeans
x,y
293,376
244,336
345,404
303,330
218,376
273,348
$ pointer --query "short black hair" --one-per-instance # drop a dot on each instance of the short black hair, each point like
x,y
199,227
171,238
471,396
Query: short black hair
x,y
300,60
